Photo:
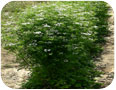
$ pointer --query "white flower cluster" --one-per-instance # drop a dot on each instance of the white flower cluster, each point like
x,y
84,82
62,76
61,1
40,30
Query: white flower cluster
x,y
35,6
11,17
26,23
62,9
58,24
39,32
78,23
8,23
47,50
11,44
88,34
95,27
40,14
33,44
46,25
40,18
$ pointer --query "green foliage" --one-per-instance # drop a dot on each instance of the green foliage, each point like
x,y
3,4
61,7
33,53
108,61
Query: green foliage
x,y
58,41
9,7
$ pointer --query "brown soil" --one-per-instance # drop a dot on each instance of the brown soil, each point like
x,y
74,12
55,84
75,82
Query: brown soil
x,y
106,61
10,74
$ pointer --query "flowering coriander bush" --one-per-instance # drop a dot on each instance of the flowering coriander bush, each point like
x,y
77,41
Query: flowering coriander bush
x,y
58,42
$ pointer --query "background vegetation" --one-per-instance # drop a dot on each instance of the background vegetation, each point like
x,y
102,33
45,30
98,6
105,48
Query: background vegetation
x,y
57,41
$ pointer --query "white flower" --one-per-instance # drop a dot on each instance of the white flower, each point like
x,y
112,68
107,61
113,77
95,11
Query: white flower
x,y
32,44
58,24
53,4
39,32
49,49
11,44
64,33
40,19
81,18
82,7
10,17
45,50
48,6
64,6
8,23
62,9
79,23
41,14
34,6
95,26
6,13
88,34
75,47
91,39
75,15
25,23
86,12
46,25
75,11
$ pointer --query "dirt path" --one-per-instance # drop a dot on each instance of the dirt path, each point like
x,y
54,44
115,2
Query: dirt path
x,y
106,62
10,74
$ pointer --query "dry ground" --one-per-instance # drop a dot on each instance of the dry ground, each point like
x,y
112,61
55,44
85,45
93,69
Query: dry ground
x,y
11,76
106,61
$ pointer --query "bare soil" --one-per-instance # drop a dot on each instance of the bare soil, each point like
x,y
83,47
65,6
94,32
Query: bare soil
x,y
10,74
106,61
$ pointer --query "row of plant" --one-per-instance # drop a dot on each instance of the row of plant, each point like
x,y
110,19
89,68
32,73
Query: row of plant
x,y
59,41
